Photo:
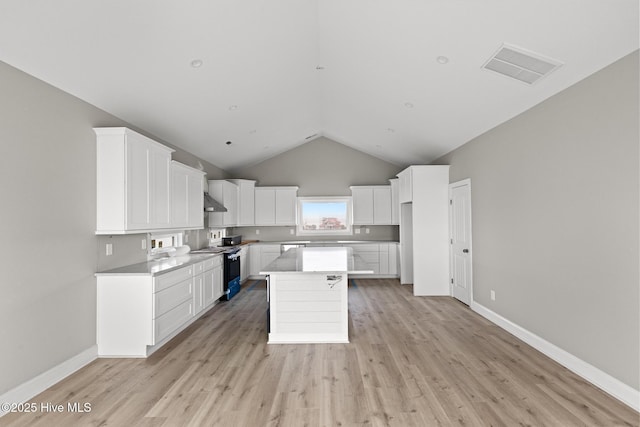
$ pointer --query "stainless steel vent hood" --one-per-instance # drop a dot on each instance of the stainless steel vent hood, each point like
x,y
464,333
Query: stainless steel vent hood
x,y
212,205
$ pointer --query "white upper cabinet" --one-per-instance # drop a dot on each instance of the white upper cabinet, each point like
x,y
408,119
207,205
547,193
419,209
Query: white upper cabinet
x,y
275,205
246,201
371,205
405,190
187,189
225,192
395,201
133,182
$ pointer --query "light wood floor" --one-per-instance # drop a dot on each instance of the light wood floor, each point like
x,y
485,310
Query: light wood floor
x,y
412,361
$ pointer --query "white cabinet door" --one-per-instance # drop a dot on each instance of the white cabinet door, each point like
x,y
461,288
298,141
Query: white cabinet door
x,y
246,202
226,193
148,185
179,196
212,285
393,258
187,203
198,293
160,188
405,193
362,198
133,182
275,205
286,206
371,205
395,201
137,179
265,206
382,205
245,262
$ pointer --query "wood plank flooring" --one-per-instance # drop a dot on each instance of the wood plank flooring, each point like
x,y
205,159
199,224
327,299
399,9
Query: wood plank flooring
x,y
412,361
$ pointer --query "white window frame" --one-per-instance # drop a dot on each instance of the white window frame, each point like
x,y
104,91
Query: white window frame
x,y
336,199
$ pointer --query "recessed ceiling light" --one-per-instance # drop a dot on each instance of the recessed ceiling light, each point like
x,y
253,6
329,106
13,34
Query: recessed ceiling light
x,y
408,104
442,60
196,63
233,107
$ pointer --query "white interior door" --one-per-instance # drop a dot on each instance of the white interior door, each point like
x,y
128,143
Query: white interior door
x,y
460,234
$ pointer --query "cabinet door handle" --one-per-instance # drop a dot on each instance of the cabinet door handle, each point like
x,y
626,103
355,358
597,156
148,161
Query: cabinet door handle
x,y
465,251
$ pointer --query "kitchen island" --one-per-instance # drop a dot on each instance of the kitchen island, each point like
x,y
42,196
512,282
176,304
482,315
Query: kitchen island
x,y
307,291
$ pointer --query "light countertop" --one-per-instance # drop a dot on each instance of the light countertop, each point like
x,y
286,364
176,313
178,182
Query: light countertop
x,y
156,267
321,259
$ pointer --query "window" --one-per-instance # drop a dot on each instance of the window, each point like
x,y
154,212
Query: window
x,y
162,243
324,215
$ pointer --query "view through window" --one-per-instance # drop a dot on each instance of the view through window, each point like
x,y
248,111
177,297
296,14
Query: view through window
x,y
324,215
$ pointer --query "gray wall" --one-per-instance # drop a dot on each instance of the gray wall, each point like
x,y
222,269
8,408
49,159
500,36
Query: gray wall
x,y
321,167
50,252
555,219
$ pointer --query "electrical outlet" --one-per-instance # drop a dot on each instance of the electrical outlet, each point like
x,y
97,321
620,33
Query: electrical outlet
x,y
291,231
357,231
109,249
493,295
186,238
257,231
144,244
366,230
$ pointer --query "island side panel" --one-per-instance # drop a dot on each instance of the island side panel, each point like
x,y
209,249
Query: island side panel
x,y
308,308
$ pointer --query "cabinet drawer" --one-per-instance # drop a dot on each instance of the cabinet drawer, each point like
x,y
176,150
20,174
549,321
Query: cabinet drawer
x,y
169,279
212,262
198,268
172,320
171,297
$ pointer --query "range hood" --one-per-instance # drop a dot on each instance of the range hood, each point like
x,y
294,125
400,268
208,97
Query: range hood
x,y
212,205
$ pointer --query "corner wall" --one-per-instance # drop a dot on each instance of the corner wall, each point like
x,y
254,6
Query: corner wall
x,y
555,205
48,215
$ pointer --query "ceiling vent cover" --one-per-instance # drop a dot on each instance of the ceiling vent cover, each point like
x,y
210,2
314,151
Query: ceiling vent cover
x,y
520,64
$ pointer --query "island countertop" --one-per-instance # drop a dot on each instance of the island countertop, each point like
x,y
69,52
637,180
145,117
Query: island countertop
x,y
318,260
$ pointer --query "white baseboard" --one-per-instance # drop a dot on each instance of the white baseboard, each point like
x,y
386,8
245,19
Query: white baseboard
x,y
616,388
25,391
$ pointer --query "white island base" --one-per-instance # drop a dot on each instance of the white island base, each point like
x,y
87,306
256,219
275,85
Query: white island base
x,y
307,289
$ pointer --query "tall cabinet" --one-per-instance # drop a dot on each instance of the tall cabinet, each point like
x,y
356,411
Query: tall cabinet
x,y
424,227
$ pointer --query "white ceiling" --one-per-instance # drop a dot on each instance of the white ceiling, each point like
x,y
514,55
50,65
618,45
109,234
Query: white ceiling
x,y
361,72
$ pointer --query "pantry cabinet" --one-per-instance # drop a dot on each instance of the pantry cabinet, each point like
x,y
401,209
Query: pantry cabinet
x,y
275,205
133,182
187,204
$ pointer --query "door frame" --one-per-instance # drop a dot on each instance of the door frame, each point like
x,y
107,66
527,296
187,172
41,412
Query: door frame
x,y
462,182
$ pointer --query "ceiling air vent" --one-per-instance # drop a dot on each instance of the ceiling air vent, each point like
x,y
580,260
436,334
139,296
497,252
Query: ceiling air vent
x,y
520,64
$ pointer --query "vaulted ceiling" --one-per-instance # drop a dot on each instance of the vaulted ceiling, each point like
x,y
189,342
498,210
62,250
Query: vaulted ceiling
x,y
402,80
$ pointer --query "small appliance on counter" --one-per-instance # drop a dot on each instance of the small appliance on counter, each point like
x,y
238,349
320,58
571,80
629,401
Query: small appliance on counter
x,y
232,240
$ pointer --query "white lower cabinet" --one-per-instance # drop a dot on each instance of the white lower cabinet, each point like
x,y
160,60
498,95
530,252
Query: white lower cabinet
x,y
212,286
137,314
261,256
245,263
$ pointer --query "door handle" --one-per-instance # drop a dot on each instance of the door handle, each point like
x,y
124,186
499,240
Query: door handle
x,y
465,251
